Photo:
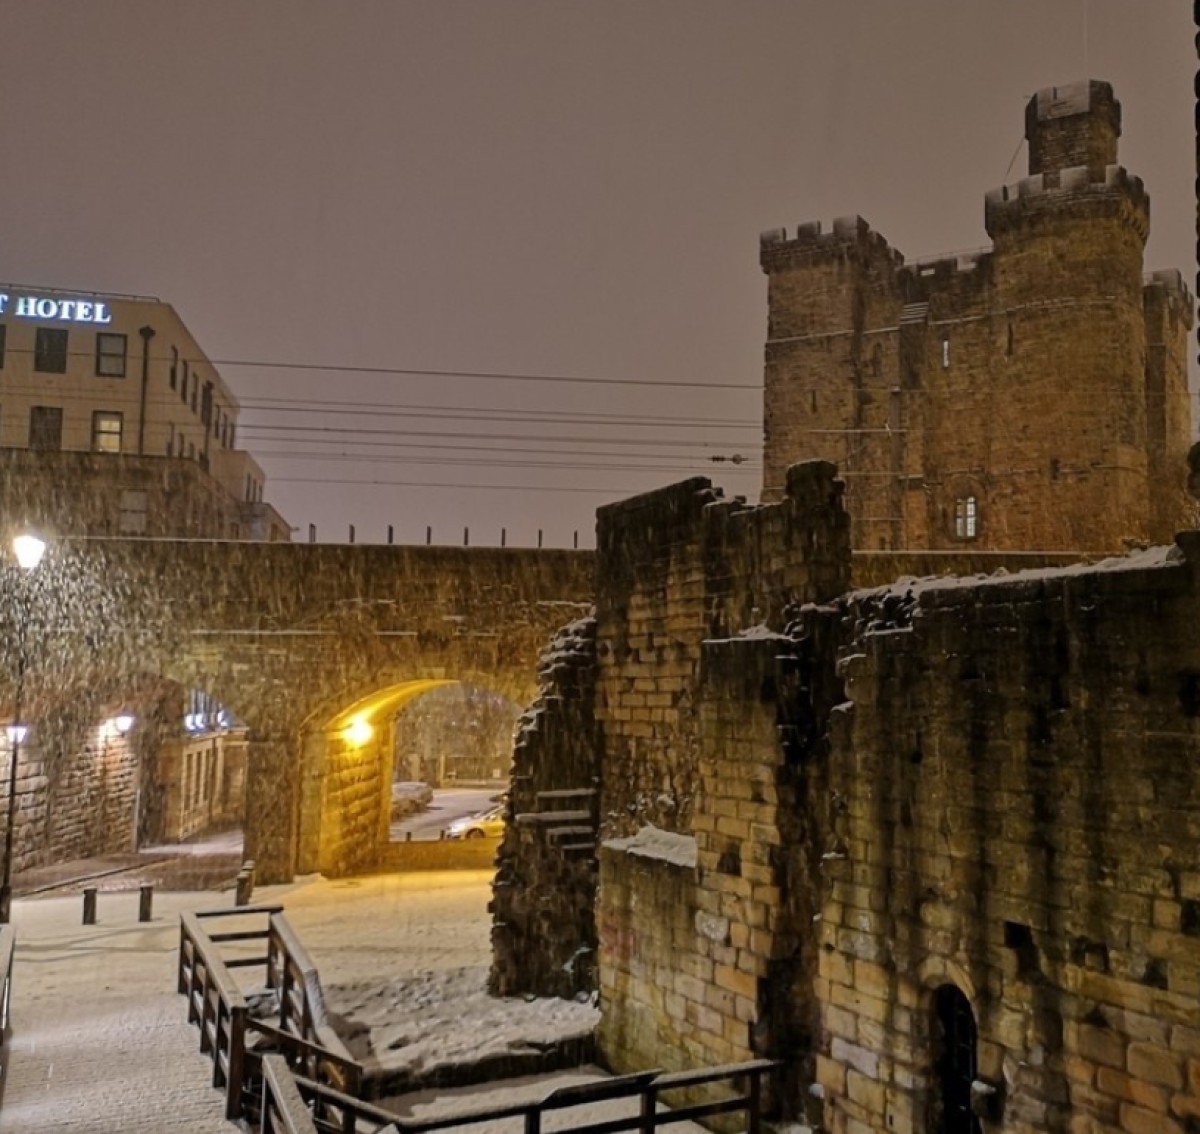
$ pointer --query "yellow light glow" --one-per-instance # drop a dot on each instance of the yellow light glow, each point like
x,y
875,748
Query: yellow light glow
x,y
358,732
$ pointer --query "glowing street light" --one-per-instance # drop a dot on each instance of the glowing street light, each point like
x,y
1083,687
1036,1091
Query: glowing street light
x,y
29,551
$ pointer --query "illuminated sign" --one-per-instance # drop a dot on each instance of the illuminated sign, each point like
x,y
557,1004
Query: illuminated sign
x,y
73,310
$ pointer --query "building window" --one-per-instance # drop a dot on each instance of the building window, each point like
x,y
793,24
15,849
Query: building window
x,y
945,354
174,373
3,337
1011,344
195,392
170,439
50,350
45,428
132,517
110,355
966,517
184,384
191,451
106,431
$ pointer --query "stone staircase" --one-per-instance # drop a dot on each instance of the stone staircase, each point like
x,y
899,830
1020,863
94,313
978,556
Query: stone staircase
x,y
565,818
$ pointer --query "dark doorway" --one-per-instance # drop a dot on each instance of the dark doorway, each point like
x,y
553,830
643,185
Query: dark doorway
x,y
955,1045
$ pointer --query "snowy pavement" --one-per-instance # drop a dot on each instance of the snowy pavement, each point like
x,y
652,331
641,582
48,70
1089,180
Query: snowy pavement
x,y
100,1040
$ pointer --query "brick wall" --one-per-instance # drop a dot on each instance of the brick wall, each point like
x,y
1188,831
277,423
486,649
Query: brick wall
x,y
675,568
703,871
543,919
1019,816
1035,378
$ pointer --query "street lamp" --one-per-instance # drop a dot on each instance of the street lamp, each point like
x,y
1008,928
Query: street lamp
x,y
29,551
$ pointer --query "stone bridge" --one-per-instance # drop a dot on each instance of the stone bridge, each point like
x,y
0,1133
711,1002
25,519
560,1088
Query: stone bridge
x,y
314,647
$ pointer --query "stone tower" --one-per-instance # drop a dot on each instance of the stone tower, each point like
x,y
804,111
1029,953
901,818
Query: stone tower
x,y
1030,396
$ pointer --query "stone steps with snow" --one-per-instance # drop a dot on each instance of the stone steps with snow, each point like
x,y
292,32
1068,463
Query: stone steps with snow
x,y
552,818
558,834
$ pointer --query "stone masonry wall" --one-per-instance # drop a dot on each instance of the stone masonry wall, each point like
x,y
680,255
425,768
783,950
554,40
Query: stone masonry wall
x,y
1015,795
706,939
700,800
544,929
677,567
1041,380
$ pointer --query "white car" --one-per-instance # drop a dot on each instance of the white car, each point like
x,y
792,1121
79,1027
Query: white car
x,y
485,824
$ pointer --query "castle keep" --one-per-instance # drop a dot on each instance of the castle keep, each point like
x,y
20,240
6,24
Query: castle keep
x,y
934,844
1032,396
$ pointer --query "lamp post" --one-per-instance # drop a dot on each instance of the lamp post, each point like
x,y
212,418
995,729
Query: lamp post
x,y
29,551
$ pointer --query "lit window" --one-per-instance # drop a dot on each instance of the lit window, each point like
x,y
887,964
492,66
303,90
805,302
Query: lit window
x,y
45,428
106,431
132,518
110,355
966,517
945,354
50,350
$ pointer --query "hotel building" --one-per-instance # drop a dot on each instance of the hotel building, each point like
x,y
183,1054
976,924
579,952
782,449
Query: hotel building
x,y
113,422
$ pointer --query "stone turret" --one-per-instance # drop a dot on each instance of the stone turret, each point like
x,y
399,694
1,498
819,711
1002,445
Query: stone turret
x,y
1073,125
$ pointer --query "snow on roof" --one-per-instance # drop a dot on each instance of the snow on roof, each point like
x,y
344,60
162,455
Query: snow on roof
x,y
652,842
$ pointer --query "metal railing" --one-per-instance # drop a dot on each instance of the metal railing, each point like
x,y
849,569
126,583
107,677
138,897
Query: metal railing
x,y
237,1042
332,1112
8,943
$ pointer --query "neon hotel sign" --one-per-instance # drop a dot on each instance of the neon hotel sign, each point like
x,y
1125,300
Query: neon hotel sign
x,y
73,310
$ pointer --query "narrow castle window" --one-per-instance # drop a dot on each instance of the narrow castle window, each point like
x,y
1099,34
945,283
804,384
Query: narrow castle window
x,y
945,354
174,367
812,395
955,1061
966,517
1009,347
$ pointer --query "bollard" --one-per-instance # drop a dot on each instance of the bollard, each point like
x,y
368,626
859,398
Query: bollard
x,y
145,901
89,906
245,884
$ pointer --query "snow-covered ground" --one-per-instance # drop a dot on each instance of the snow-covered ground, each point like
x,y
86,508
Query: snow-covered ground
x,y
420,1020
405,955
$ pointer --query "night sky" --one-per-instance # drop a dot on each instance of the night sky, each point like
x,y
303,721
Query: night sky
x,y
556,188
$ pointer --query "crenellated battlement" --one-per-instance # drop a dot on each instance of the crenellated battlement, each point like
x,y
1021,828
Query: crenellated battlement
x,y
812,242
1072,125
1174,289
936,268
1030,197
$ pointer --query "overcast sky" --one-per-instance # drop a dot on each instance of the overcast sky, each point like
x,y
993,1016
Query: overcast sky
x,y
541,187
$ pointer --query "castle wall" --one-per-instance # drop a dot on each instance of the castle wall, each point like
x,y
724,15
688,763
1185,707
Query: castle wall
x,y
676,567
543,917
1022,820
1008,399
699,806
988,786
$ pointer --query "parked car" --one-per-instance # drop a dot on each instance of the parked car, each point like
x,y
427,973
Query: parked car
x,y
486,823
409,797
